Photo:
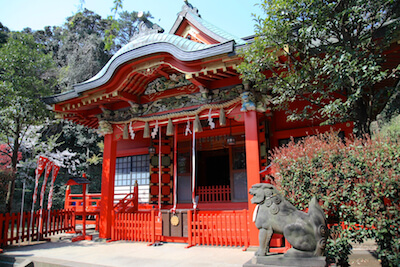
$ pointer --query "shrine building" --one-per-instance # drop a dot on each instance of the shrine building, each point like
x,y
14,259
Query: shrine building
x,y
177,99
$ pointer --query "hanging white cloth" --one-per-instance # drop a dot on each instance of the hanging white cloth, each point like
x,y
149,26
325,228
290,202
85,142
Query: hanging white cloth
x,y
194,170
159,171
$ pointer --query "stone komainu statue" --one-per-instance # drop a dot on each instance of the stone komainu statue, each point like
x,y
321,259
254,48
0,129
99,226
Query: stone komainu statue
x,y
306,232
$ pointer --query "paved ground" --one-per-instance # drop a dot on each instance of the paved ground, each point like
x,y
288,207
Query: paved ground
x,y
130,254
62,252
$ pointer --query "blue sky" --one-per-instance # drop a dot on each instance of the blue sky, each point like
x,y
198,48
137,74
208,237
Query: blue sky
x,y
233,16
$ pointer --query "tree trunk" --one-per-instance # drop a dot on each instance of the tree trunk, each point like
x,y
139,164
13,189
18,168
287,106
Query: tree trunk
x,y
10,194
361,119
14,161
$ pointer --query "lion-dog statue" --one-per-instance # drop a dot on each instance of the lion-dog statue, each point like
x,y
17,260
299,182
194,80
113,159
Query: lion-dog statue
x,y
306,232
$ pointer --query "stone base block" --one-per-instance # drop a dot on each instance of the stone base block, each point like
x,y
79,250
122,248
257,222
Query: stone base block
x,y
285,261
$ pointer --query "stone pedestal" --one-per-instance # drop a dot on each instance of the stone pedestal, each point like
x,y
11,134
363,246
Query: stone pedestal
x,y
281,260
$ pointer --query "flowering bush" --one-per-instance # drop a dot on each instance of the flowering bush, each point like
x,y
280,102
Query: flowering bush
x,y
357,183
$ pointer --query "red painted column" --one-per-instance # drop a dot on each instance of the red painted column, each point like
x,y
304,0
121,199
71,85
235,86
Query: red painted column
x,y
107,186
252,165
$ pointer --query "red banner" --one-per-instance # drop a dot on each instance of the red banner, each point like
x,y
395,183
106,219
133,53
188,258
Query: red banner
x,y
49,167
53,179
41,164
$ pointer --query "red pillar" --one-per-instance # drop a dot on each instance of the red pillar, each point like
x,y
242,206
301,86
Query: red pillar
x,y
107,186
66,201
252,165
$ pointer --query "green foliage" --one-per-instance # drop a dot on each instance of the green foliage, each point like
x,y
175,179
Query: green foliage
x,y
4,31
123,29
81,52
23,72
24,80
357,183
85,43
392,107
326,53
391,128
85,148
38,63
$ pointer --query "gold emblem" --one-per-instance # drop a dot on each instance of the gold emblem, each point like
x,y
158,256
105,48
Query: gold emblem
x,y
174,220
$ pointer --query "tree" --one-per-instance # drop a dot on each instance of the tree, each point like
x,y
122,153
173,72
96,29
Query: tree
x,y
4,31
81,53
23,81
128,23
329,53
50,38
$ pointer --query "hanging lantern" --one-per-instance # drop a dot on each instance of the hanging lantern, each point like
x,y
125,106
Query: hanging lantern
x,y
230,140
146,132
170,128
125,133
197,125
222,118
152,149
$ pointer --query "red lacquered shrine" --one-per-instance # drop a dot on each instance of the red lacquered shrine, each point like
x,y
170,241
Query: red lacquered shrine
x,y
177,119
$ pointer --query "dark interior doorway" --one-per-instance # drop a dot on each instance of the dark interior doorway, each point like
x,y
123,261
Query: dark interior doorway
x,y
213,168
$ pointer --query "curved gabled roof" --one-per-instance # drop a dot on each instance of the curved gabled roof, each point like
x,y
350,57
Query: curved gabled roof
x,y
146,40
180,48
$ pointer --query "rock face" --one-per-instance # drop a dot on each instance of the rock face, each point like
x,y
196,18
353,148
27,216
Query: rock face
x,y
306,232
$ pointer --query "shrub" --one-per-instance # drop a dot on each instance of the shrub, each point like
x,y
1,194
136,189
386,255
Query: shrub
x,y
357,183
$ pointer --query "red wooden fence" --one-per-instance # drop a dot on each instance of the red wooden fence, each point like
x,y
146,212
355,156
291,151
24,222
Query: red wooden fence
x,y
218,193
226,228
138,226
221,228
11,232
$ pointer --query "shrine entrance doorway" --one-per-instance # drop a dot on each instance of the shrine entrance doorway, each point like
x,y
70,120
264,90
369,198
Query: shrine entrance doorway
x,y
220,170
213,168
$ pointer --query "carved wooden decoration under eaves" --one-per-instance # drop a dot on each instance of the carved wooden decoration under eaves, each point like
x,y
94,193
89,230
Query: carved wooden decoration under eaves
x,y
172,103
161,84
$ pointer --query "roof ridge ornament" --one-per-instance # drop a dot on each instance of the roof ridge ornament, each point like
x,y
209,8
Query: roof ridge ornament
x,y
190,8
147,27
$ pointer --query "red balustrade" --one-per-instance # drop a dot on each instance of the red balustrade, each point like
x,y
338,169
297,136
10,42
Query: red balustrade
x,y
75,202
130,203
11,231
216,193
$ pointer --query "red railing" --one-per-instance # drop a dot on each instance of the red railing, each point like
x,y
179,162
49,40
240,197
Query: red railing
x,y
11,231
226,228
214,228
139,226
75,201
217,193
221,228
129,203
